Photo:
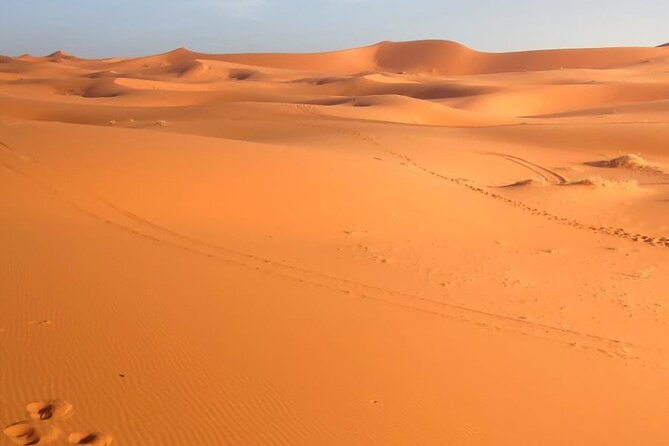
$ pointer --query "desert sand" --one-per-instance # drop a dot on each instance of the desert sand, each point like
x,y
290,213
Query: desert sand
x,y
404,244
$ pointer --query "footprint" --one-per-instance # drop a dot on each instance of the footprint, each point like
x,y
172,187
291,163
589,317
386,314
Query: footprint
x,y
46,410
23,433
95,438
41,322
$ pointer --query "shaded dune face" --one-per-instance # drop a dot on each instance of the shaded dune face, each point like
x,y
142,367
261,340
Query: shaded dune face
x,y
410,243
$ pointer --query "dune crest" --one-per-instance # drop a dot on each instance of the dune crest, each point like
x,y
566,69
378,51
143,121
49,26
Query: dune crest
x,y
59,56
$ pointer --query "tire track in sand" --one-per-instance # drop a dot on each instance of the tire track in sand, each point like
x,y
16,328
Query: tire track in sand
x,y
550,176
106,212
658,241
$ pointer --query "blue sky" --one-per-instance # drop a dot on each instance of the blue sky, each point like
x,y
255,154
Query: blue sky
x,y
136,27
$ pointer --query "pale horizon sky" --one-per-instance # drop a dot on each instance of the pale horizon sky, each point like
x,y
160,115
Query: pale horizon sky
x,y
106,28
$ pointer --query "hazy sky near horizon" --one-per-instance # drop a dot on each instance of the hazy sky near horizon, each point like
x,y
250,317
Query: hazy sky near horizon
x,y
95,28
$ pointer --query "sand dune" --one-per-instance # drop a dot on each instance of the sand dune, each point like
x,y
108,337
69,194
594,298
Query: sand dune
x,y
411,243
399,108
436,56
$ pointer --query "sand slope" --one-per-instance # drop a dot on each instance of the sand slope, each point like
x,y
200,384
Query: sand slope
x,y
410,243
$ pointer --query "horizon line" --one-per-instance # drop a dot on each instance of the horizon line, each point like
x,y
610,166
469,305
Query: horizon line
x,y
73,54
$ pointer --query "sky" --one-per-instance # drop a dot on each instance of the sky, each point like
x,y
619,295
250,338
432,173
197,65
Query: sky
x,y
106,28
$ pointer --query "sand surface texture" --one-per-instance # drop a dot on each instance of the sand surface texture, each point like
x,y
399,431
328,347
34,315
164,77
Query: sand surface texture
x,y
404,244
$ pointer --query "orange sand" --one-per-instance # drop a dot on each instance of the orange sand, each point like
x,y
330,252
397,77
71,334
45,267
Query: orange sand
x,y
281,249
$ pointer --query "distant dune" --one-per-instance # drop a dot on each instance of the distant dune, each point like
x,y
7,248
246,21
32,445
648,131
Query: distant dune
x,y
435,56
410,243
428,56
